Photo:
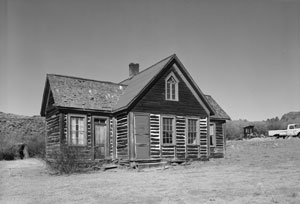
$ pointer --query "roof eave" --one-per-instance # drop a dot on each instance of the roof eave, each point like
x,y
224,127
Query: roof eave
x,y
146,86
85,109
200,93
212,117
44,99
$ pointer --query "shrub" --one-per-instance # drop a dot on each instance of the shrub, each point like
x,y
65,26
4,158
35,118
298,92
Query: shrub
x,y
64,161
8,154
36,146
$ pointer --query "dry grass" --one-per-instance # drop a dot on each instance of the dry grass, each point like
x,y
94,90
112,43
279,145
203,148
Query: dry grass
x,y
256,171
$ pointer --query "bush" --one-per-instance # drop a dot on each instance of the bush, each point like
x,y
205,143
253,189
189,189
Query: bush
x,y
36,146
8,154
64,161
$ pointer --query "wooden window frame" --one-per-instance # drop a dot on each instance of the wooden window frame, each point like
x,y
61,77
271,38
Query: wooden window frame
x,y
197,130
85,129
173,130
176,88
213,138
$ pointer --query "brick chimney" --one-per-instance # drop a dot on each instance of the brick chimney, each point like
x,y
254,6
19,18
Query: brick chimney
x,y
134,69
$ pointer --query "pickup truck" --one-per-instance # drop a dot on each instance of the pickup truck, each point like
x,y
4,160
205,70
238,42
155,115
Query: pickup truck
x,y
292,130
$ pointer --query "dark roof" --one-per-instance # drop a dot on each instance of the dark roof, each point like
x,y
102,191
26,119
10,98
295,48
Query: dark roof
x,y
220,113
74,92
137,83
84,93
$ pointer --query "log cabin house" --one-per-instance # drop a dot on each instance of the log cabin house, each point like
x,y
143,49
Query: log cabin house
x,y
158,113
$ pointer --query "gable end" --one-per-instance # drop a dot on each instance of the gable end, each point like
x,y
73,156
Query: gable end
x,y
154,100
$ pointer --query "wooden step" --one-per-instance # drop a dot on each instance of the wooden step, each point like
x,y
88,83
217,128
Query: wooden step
x,y
152,164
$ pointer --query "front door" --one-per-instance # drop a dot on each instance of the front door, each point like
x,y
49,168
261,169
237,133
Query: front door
x,y
100,137
142,136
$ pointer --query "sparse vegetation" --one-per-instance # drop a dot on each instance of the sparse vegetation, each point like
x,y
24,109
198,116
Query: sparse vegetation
x,y
260,170
15,129
64,161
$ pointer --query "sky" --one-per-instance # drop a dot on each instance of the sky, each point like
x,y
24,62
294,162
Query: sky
x,y
245,53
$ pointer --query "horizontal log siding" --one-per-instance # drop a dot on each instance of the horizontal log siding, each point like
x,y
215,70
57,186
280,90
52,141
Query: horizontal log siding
x,y
203,138
218,151
180,150
154,100
180,137
111,134
122,137
52,135
192,151
168,151
84,153
80,153
154,136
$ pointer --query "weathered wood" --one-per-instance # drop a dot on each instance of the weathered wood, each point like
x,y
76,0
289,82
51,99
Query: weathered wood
x,y
122,136
154,100
219,149
180,137
111,135
154,135
53,136
203,150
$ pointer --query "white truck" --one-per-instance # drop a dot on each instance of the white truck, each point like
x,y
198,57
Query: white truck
x,y
291,131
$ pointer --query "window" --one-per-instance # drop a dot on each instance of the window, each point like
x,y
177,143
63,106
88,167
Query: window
x,y
172,88
192,131
77,130
212,134
168,130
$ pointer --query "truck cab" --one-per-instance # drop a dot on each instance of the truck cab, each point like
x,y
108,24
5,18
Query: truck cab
x,y
292,130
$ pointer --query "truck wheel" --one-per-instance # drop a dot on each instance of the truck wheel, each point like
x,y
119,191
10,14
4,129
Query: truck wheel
x,y
298,135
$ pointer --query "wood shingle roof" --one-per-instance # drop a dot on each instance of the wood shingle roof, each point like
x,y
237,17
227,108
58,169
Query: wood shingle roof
x,y
76,92
137,83
79,93
220,113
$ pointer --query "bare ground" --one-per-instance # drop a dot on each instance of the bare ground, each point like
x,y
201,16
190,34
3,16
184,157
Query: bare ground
x,y
254,171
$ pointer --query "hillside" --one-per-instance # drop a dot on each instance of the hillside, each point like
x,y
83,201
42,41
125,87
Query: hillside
x,y
15,129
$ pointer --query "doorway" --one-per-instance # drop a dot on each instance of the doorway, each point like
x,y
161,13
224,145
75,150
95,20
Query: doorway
x,y
100,139
142,136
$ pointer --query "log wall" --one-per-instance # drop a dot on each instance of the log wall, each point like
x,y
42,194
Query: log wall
x,y
203,137
180,150
154,136
122,136
111,135
52,135
218,151
80,153
180,137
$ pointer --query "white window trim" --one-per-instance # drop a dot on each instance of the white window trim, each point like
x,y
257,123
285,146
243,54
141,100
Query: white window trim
x,y
214,137
176,87
69,129
197,129
173,129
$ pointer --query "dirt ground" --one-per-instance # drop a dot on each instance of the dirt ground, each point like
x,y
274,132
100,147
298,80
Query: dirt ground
x,y
254,171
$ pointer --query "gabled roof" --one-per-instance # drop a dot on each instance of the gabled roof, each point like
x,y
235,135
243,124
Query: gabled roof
x,y
81,93
220,113
140,82
137,83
